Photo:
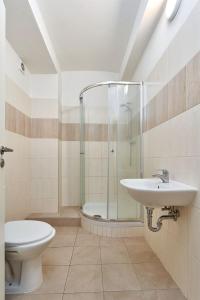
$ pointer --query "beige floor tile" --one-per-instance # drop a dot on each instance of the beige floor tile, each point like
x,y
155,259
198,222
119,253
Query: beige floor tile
x,y
86,255
141,253
116,254
131,295
34,297
63,240
57,256
87,278
132,241
83,296
83,231
119,277
67,229
109,241
65,236
54,280
87,240
170,295
153,276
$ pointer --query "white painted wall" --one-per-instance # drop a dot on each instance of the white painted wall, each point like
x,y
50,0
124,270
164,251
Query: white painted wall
x,y
13,63
44,86
74,81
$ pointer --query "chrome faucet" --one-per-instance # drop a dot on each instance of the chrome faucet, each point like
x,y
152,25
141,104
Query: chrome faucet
x,y
163,175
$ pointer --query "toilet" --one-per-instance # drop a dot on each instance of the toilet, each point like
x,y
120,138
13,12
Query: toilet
x,y
25,241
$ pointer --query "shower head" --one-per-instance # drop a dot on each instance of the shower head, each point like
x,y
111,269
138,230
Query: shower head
x,y
126,105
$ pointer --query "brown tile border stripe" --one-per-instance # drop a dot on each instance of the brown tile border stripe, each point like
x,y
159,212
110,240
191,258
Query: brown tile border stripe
x,y
19,123
70,132
16,121
44,128
180,94
96,132
93,132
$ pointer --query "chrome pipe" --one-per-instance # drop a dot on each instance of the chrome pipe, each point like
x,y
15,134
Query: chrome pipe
x,y
173,215
89,87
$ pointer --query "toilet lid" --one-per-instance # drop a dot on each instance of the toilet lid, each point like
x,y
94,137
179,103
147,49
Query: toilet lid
x,y
26,231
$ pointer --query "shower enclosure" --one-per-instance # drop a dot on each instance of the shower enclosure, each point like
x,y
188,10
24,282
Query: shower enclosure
x,y
110,149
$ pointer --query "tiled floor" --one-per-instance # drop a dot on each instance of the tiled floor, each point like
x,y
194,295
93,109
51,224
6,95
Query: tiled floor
x,y
81,266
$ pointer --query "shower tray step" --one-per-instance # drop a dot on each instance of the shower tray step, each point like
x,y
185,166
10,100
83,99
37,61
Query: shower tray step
x,y
68,216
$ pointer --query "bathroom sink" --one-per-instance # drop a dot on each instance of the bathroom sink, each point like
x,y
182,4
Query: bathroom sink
x,y
154,193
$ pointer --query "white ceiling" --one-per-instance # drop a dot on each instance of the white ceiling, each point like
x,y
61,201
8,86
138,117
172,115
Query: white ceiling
x,y
89,34
23,34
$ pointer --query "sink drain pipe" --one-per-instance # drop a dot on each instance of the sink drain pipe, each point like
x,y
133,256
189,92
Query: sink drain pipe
x,y
172,215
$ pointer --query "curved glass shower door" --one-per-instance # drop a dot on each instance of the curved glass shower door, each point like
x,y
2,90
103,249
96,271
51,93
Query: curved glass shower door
x,y
110,150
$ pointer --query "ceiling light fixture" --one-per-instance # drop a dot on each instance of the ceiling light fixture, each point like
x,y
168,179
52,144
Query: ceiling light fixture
x,y
172,8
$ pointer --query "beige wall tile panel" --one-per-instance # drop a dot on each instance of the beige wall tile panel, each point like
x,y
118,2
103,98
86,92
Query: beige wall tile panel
x,y
93,132
177,94
16,121
10,117
20,122
70,132
151,114
193,82
27,126
44,128
161,106
96,132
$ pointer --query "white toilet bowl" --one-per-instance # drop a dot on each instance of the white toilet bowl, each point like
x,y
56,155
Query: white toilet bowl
x,y
24,243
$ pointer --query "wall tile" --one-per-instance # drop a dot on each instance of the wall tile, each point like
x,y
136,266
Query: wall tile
x,y
194,231
44,128
16,97
17,177
177,94
10,117
16,121
44,148
194,279
44,108
70,132
161,106
96,132
193,82
151,114
174,145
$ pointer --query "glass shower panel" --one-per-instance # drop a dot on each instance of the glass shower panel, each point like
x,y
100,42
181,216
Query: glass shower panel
x,y
94,160
113,112
82,153
110,150
124,149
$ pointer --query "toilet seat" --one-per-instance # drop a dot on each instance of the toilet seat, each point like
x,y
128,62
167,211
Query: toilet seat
x,y
18,233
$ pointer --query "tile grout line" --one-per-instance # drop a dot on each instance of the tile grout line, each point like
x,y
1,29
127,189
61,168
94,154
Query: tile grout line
x,y
69,265
132,264
101,269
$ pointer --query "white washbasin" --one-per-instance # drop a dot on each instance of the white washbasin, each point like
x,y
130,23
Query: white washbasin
x,y
151,192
